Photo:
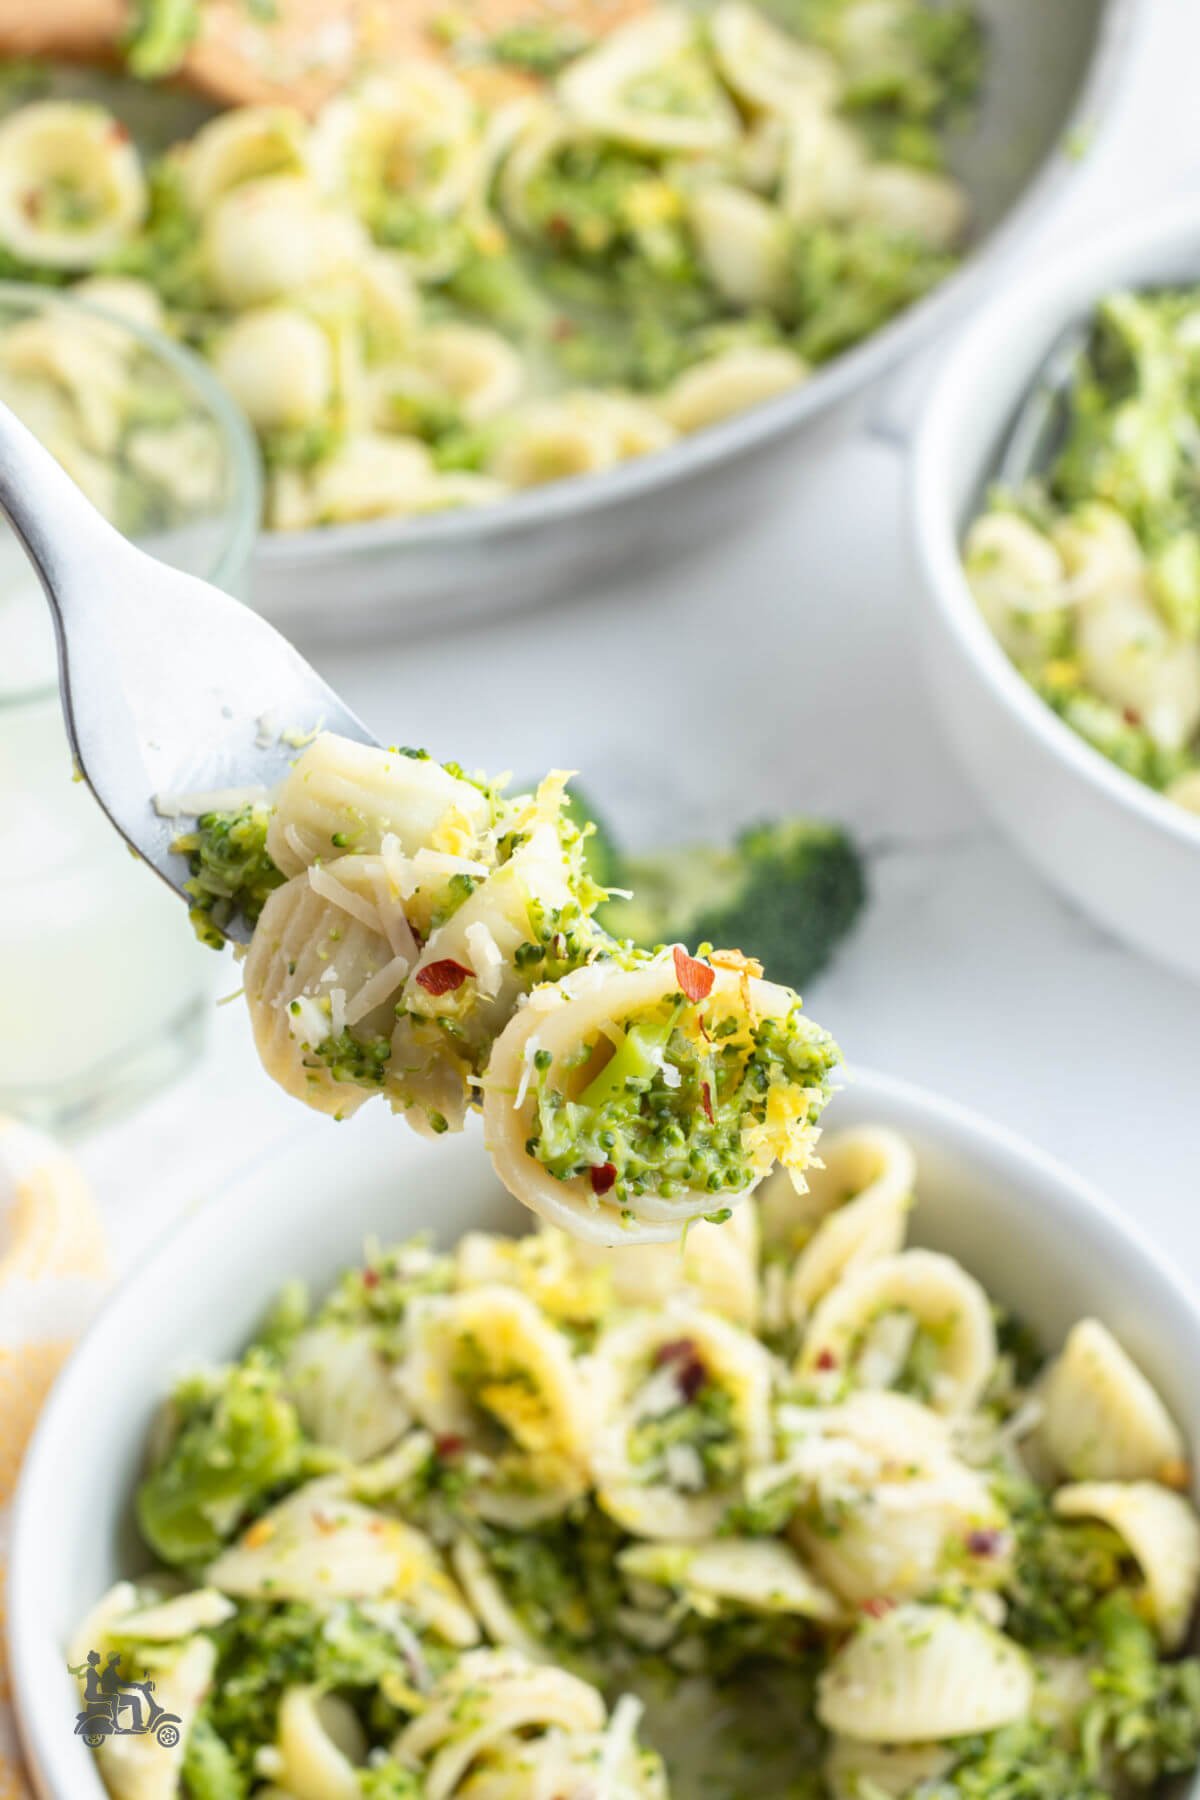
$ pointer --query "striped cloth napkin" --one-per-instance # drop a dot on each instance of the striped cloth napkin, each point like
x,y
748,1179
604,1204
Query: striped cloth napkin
x,y
54,1269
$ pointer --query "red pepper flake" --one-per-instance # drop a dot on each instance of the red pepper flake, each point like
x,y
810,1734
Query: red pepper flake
x,y
564,329
878,1607
706,1101
604,1176
694,977
1132,716
826,1360
118,133
558,225
689,1371
985,1543
444,976
449,1445
370,1278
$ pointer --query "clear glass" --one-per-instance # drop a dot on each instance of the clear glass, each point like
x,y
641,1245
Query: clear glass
x,y
105,993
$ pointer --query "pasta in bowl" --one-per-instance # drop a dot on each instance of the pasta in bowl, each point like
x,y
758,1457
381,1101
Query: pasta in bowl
x,y
428,298
1006,1586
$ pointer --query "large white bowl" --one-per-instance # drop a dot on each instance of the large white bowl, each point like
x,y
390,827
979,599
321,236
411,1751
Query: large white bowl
x,y
1124,854
1041,1240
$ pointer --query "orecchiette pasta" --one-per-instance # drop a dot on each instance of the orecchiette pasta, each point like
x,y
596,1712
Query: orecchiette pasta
x,y
1163,1534
244,145
649,86
1101,1419
766,67
916,1320
681,1402
729,382
921,1673
278,365
423,1515
72,190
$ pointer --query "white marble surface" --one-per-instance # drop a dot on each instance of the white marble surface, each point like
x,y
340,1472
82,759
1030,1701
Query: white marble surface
x,y
776,674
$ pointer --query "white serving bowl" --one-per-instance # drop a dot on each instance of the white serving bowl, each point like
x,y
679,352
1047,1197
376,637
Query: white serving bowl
x,y
1122,852
1039,1238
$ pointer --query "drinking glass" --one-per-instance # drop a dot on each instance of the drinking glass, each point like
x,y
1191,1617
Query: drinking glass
x,y
104,993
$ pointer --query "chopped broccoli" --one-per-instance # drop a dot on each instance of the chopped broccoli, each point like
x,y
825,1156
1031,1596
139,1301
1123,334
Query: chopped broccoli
x,y
236,1438
1020,1762
849,279
211,1771
159,36
231,871
1145,1717
786,893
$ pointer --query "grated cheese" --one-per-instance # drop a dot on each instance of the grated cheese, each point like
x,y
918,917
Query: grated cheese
x,y
339,895
486,960
190,806
531,1049
380,987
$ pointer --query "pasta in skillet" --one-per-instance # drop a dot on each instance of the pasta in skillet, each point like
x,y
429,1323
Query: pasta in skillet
x,y
421,936
520,1520
429,297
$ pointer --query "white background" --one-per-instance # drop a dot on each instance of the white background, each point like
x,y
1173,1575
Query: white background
x,y
779,674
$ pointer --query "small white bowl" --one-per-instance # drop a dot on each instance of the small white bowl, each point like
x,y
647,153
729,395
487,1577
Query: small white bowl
x,y
1122,852
1037,1236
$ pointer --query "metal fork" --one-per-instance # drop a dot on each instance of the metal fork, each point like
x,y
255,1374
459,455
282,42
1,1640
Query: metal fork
x,y
165,680
1039,424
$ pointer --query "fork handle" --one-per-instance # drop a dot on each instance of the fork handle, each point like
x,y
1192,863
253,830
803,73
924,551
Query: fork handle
x,y
63,535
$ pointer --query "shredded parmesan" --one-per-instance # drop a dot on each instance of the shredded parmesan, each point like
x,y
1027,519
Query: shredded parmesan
x,y
293,837
394,919
339,895
442,862
268,729
378,988
190,806
486,960
531,1049
307,1020
619,1742
337,1011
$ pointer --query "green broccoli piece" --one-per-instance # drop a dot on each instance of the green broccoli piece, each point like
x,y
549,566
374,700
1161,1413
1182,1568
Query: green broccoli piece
x,y
236,1438
160,35
1020,1762
1145,1717
786,893
849,279
231,872
210,1769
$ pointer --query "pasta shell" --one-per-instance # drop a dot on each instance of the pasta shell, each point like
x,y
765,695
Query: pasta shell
x,y
479,369
372,476
1163,1534
318,1546
824,166
616,89
344,1391
561,1021
409,131
245,144
1133,660
307,949
852,1211
320,1747
129,299
923,1673
636,1371
487,1600
758,1574
767,67
716,1265
143,1767
856,1771
1101,1419
913,203
488,1696
180,1616
278,365
267,239
742,243
338,788
728,383
922,1291
485,1367
1014,570
71,147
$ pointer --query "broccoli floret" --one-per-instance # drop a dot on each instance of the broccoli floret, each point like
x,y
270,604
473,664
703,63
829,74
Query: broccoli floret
x,y
210,1769
786,893
1145,1717
849,279
236,1438
231,871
